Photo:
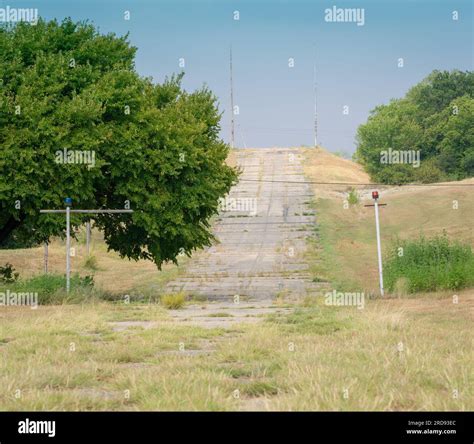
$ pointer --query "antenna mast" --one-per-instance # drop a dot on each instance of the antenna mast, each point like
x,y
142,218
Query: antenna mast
x,y
232,132
315,104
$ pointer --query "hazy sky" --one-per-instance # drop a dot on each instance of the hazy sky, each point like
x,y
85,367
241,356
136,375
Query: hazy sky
x,y
357,66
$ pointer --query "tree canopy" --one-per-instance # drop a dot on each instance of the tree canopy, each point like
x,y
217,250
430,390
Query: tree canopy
x,y
436,119
66,87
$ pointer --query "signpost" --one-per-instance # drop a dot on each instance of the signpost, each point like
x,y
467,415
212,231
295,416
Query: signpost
x,y
68,211
375,196
46,258
88,237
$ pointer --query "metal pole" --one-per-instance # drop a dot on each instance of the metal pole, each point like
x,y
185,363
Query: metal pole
x,y
46,257
379,249
88,237
315,108
231,103
68,212
68,248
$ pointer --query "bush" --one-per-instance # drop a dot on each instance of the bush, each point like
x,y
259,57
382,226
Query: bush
x,y
429,172
429,265
394,174
353,197
173,301
91,263
51,288
7,274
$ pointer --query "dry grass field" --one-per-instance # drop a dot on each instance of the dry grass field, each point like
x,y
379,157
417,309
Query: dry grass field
x,y
403,352
393,355
111,273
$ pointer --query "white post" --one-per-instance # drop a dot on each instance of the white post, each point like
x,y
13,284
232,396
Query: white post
x,y
379,249
46,257
315,107
68,212
68,248
232,132
88,237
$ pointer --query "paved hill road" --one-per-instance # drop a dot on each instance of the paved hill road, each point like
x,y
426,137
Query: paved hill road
x,y
262,234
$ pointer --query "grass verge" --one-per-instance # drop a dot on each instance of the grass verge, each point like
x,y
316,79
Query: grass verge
x,y
398,354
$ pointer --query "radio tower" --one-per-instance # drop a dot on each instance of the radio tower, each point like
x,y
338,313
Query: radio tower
x,y
232,132
315,105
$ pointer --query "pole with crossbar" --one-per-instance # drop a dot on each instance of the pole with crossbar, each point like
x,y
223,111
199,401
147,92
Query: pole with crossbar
x,y
88,237
68,248
375,196
68,211
46,258
379,248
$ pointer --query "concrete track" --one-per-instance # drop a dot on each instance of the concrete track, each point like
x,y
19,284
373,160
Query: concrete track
x,y
262,234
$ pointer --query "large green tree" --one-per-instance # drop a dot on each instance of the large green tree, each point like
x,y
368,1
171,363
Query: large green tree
x,y
393,126
66,86
434,118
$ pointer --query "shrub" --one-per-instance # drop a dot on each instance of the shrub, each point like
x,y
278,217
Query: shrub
x,y
7,274
91,263
429,172
173,301
353,197
51,288
429,265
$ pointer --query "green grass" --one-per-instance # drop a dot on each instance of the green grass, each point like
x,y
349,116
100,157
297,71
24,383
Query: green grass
x,y
219,315
50,288
91,263
173,301
429,264
259,388
318,320
353,197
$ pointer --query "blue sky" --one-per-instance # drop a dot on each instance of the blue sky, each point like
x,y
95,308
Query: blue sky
x,y
356,65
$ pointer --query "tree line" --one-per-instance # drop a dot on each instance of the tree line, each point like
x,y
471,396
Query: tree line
x,y
435,120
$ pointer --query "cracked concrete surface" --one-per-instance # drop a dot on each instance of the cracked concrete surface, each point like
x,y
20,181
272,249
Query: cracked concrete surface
x,y
226,315
260,254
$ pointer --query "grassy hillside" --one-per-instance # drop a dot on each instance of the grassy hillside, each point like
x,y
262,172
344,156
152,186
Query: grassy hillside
x,y
348,233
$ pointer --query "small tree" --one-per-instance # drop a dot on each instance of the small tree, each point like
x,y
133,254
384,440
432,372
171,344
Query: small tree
x,y
8,274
